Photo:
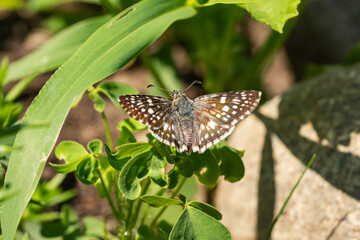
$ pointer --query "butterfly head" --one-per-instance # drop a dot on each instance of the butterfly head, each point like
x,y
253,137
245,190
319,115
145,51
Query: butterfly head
x,y
175,95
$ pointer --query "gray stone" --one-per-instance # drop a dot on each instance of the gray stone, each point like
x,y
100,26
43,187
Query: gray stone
x,y
319,116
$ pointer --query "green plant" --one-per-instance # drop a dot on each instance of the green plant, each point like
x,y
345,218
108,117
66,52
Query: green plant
x,y
103,50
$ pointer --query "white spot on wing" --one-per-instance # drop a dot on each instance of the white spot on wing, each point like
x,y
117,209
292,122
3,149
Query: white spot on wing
x,y
211,124
225,108
222,99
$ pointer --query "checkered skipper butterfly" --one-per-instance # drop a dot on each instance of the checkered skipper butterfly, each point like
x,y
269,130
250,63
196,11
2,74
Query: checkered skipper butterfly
x,y
191,125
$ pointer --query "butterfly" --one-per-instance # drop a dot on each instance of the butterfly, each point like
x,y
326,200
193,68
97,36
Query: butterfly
x,y
191,125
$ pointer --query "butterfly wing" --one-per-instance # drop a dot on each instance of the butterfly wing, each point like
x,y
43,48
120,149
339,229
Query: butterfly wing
x,y
216,115
153,111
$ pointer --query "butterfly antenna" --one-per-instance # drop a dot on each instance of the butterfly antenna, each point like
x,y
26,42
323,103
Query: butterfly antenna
x,y
197,81
158,87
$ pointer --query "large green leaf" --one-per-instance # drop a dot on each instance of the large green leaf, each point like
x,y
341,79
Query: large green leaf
x,y
56,51
195,224
108,49
274,13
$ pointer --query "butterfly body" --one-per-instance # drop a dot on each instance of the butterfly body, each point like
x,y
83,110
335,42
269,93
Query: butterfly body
x,y
191,125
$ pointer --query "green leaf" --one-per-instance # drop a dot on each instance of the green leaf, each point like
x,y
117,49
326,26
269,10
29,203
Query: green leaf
x,y
164,229
145,233
206,208
125,152
173,177
86,171
68,167
95,146
185,165
15,92
131,124
274,13
207,169
231,165
70,151
157,201
68,216
56,51
157,170
133,172
99,103
107,178
4,65
108,49
138,168
9,114
125,137
195,224
115,89
93,227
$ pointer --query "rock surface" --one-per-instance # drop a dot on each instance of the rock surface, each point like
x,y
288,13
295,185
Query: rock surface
x,y
319,116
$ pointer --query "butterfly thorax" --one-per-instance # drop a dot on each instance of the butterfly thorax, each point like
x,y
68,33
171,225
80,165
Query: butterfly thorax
x,y
182,103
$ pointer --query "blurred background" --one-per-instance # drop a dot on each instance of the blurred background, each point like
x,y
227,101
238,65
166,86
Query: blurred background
x,y
223,46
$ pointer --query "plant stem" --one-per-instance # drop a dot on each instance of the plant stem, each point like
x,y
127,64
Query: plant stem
x,y
225,51
289,196
107,195
139,203
118,196
107,130
175,193
129,204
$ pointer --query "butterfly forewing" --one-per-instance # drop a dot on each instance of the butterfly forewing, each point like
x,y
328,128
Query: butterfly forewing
x,y
150,110
217,114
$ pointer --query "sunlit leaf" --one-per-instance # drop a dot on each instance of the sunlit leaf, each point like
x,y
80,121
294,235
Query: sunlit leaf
x,y
70,151
274,13
99,103
206,208
195,224
125,152
125,137
95,146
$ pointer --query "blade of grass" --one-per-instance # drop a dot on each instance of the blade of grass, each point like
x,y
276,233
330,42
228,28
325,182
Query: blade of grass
x,y
289,196
56,51
108,49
